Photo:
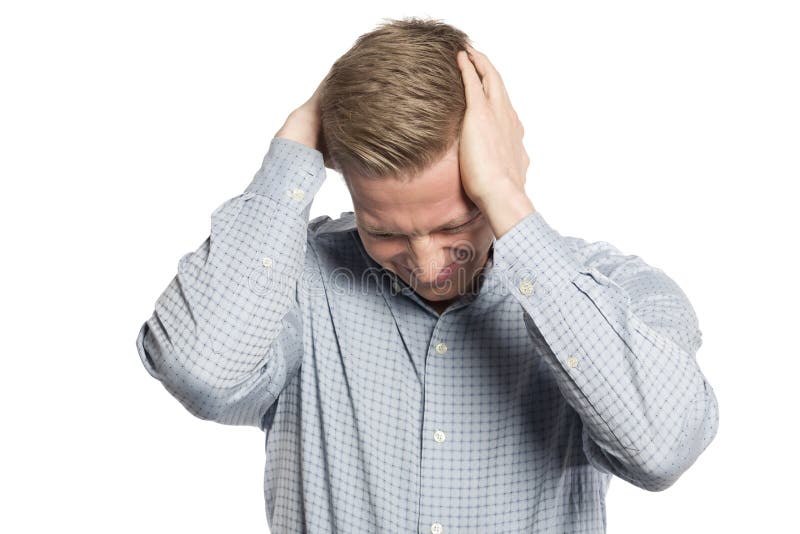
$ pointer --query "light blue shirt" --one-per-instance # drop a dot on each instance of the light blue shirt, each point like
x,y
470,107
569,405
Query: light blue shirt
x,y
509,412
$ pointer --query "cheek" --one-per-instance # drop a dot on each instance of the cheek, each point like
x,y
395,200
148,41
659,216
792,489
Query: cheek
x,y
475,243
383,251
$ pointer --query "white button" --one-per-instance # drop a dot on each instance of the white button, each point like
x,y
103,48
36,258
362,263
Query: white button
x,y
395,286
526,287
436,528
439,436
266,262
572,361
298,194
441,348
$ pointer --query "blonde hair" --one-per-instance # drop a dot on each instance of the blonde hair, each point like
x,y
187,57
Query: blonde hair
x,y
394,103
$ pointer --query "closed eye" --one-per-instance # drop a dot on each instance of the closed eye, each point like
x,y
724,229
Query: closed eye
x,y
461,227
454,229
380,236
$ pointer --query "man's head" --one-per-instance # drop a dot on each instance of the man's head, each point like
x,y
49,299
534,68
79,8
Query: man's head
x,y
418,228
391,114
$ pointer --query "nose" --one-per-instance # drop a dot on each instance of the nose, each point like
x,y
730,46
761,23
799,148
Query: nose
x,y
429,258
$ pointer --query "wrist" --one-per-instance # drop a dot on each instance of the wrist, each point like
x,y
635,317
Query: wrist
x,y
301,127
504,209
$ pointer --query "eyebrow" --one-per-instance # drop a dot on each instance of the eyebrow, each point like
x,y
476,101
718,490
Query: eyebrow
x,y
458,221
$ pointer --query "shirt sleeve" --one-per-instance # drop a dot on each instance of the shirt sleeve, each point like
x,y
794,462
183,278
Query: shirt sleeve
x,y
225,335
621,340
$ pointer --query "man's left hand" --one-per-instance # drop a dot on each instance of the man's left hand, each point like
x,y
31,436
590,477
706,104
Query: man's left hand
x,y
492,159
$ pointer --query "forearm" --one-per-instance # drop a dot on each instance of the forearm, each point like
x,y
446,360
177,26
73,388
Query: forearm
x,y
621,346
221,337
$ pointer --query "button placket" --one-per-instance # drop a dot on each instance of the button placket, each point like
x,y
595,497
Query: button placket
x,y
434,453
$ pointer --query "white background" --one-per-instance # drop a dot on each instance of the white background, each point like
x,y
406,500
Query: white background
x,y
670,129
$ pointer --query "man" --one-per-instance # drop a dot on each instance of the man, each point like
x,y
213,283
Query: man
x,y
440,359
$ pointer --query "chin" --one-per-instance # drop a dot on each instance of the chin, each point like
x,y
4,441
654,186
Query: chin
x,y
448,290
439,295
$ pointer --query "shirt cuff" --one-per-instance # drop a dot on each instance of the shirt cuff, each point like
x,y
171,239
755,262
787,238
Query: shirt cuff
x,y
535,258
291,172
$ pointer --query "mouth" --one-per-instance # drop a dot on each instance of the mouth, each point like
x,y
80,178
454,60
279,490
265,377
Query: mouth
x,y
446,273
442,276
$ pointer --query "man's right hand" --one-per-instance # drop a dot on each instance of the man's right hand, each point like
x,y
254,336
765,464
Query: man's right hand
x,y
304,125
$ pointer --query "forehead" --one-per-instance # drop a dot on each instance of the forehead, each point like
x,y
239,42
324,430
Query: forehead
x,y
427,201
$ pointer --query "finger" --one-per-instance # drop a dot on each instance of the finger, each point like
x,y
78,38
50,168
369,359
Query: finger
x,y
492,80
473,88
